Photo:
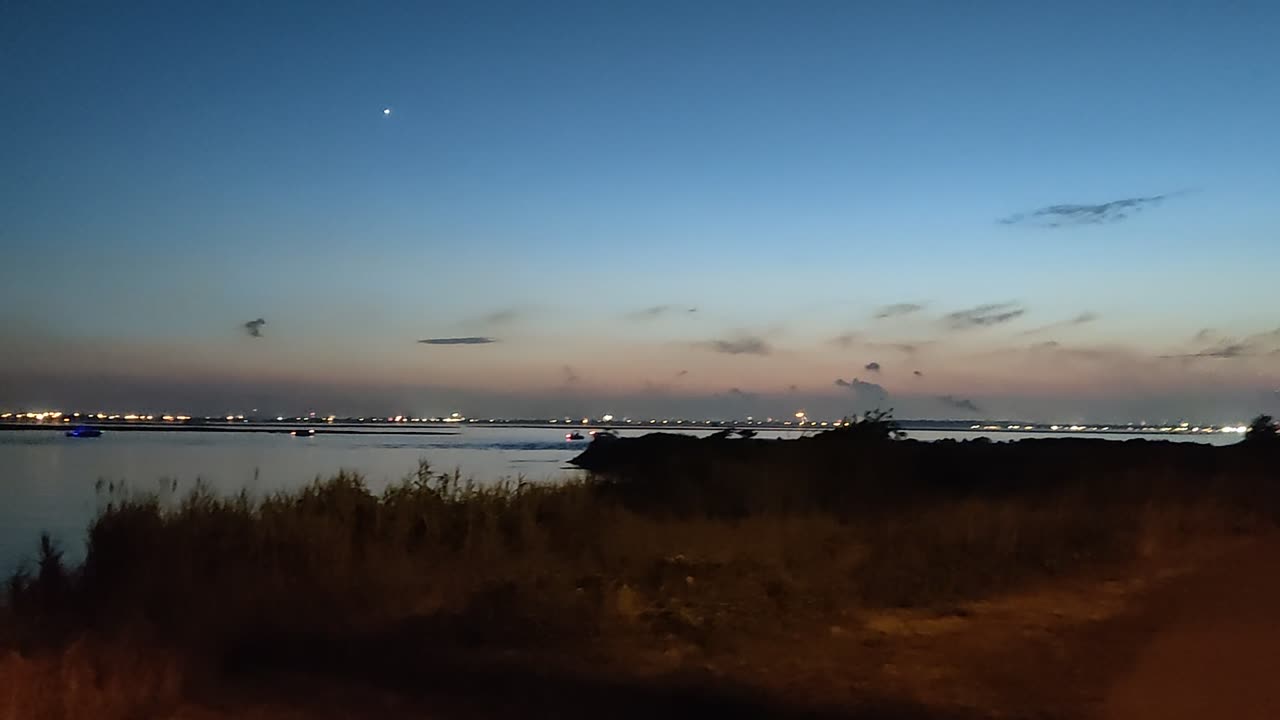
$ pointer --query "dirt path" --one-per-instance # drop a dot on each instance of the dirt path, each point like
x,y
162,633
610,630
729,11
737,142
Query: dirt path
x,y
1172,643
1215,651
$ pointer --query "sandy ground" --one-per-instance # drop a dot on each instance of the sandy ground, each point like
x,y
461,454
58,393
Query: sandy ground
x,y
1216,652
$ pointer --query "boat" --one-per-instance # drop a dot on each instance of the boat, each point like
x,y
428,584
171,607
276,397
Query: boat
x,y
304,432
575,435
84,431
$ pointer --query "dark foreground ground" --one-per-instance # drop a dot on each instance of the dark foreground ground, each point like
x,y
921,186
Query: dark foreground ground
x,y
853,576
1180,642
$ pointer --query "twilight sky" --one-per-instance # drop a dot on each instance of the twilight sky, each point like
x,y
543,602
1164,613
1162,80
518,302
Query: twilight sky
x,y
1006,209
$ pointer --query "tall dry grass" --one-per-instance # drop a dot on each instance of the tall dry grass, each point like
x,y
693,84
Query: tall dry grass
x,y
435,562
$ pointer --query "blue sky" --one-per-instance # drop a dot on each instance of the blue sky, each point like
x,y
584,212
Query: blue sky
x,y
551,170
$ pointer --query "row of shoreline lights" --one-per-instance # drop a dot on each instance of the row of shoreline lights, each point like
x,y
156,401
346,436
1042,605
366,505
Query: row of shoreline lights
x,y
65,417
802,419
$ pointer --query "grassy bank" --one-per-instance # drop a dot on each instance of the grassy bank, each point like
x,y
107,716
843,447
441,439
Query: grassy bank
x,y
338,578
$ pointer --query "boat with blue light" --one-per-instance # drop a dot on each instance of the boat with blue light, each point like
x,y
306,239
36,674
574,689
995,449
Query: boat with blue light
x,y
84,431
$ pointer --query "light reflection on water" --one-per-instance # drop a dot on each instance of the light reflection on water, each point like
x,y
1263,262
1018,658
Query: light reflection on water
x,y
47,481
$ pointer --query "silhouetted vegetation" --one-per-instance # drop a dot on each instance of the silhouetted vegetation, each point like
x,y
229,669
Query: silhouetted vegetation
x,y
1263,429
693,544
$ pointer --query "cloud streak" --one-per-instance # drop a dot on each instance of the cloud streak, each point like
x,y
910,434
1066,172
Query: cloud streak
x,y
959,403
1262,344
984,316
254,327
746,345
1081,319
458,341
500,318
897,310
845,340
1067,215
656,311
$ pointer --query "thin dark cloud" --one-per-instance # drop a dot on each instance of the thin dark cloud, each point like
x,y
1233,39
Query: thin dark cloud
x,y
1204,336
740,393
845,340
682,373
1109,355
746,345
254,327
1068,215
1262,344
458,341
656,311
897,310
959,403
1224,351
850,339
1081,319
984,316
500,318
872,366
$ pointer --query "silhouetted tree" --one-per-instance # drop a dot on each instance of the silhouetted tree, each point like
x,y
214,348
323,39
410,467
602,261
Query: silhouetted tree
x,y
1264,428
875,425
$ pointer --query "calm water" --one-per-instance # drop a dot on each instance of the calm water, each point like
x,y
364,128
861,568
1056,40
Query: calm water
x,y
47,481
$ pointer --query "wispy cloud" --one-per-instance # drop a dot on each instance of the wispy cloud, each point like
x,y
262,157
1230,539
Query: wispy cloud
x,y
852,339
1067,215
1263,344
458,341
656,311
897,310
746,345
906,348
254,327
1081,319
872,366
500,318
867,395
740,393
845,340
984,315
959,403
